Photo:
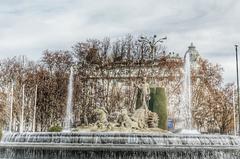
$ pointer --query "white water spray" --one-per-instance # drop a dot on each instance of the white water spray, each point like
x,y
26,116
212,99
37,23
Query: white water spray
x,y
23,107
186,96
184,123
69,115
185,116
34,110
11,109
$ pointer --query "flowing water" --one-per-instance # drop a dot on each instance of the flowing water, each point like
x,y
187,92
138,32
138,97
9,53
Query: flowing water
x,y
69,115
115,145
185,107
21,128
11,109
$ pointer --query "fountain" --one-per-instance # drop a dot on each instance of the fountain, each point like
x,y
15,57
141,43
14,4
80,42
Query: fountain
x,y
184,126
108,142
21,129
69,115
11,109
101,145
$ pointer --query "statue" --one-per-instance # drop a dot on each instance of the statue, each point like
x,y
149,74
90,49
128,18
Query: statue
x,y
125,121
101,117
141,119
144,86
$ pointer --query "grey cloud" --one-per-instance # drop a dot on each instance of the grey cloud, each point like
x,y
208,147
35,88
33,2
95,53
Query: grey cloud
x,y
30,27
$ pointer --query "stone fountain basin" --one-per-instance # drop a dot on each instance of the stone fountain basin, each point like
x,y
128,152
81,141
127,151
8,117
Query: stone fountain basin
x,y
120,138
114,147
118,145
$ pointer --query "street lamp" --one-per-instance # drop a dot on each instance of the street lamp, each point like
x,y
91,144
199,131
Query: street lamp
x,y
236,49
152,41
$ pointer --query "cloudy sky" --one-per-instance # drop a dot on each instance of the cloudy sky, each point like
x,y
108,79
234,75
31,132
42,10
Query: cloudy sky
x,y
30,26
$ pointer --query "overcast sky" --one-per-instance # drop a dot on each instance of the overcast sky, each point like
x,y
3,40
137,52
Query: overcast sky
x,y
30,26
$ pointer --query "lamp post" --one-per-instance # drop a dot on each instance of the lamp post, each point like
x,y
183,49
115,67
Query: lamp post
x,y
152,42
236,49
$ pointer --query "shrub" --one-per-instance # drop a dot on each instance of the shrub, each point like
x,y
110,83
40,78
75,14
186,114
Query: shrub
x,y
55,128
151,101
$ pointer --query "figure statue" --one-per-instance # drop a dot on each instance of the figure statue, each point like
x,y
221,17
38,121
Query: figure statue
x,y
140,116
144,86
143,116
85,120
101,116
125,121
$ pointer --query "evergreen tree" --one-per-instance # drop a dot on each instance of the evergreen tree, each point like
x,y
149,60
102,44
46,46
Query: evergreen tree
x,y
158,104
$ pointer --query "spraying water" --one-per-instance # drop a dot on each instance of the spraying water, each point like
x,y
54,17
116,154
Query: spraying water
x,y
117,145
11,109
69,115
185,113
23,107
185,116
34,110
186,97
